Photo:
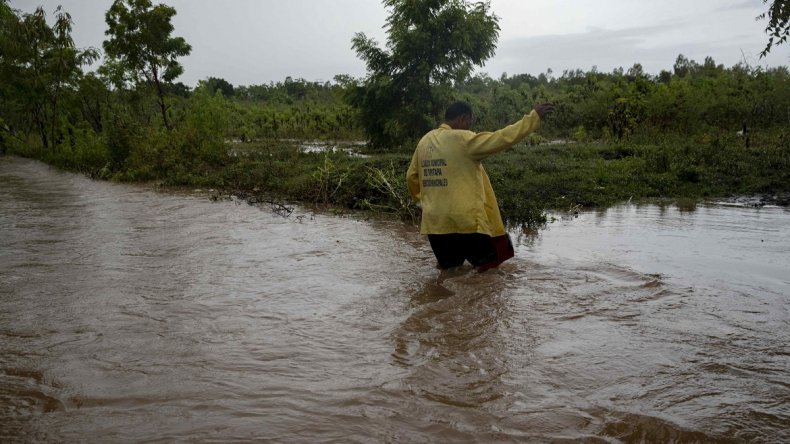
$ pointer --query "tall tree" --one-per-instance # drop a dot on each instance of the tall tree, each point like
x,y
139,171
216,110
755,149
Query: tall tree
x,y
430,45
8,20
141,50
778,28
214,84
39,63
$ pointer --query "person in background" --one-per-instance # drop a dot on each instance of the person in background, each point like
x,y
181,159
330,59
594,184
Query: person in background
x,y
460,214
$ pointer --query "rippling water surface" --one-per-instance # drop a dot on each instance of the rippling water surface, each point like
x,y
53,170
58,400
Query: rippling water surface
x,y
131,315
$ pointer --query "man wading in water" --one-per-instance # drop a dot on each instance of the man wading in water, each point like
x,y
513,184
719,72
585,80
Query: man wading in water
x,y
460,214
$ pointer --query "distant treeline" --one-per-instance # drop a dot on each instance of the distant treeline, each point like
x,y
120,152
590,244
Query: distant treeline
x,y
691,99
98,128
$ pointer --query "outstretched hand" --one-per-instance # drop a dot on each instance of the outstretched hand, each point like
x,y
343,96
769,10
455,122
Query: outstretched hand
x,y
544,108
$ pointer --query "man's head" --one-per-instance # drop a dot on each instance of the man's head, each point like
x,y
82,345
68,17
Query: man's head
x,y
459,116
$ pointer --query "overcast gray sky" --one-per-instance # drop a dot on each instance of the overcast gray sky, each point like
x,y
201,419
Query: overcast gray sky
x,y
257,41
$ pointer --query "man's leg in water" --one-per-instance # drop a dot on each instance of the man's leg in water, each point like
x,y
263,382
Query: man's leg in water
x,y
448,249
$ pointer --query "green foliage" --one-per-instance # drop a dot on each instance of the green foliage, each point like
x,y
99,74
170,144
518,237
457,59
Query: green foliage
x,y
207,121
778,28
580,134
430,45
329,179
214,84
121,137
293,109
140,49
696,99
390,184
39,69
597,175
86,153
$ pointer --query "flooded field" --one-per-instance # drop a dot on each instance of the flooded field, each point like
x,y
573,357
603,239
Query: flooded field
x,y
132,315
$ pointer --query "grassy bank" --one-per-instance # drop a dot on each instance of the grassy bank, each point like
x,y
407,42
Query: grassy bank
x,y
568,176
528,180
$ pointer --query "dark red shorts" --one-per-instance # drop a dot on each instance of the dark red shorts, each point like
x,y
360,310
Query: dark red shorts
x,y
481,250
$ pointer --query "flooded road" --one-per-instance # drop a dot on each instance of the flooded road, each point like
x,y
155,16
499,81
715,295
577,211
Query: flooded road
x,y
128,315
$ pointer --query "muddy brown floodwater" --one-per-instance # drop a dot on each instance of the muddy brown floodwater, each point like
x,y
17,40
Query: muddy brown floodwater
x,y
128,315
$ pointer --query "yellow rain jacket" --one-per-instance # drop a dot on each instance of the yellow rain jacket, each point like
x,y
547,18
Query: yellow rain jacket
x,y
446,177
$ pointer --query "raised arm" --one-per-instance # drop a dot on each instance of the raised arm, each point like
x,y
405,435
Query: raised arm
x,y
482,145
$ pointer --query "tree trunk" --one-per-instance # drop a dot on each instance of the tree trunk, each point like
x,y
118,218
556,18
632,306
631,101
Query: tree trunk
x,y
54,122
161,96
40,125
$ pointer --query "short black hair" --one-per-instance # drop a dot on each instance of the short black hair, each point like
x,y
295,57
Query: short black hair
x,y
457,109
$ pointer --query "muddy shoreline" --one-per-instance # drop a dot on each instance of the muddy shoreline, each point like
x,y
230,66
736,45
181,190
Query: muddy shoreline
x,y
781,199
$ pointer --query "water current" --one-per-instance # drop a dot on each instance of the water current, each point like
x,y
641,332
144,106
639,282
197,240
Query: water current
x,y
130,315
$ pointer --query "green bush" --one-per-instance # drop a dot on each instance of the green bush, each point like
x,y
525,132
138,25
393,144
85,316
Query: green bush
x,y
206,125
90,154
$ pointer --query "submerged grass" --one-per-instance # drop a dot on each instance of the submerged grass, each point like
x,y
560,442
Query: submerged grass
x,y
560,177
528,180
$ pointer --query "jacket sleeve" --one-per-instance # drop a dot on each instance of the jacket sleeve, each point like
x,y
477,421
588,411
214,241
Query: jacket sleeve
x,y
413,178
482,145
